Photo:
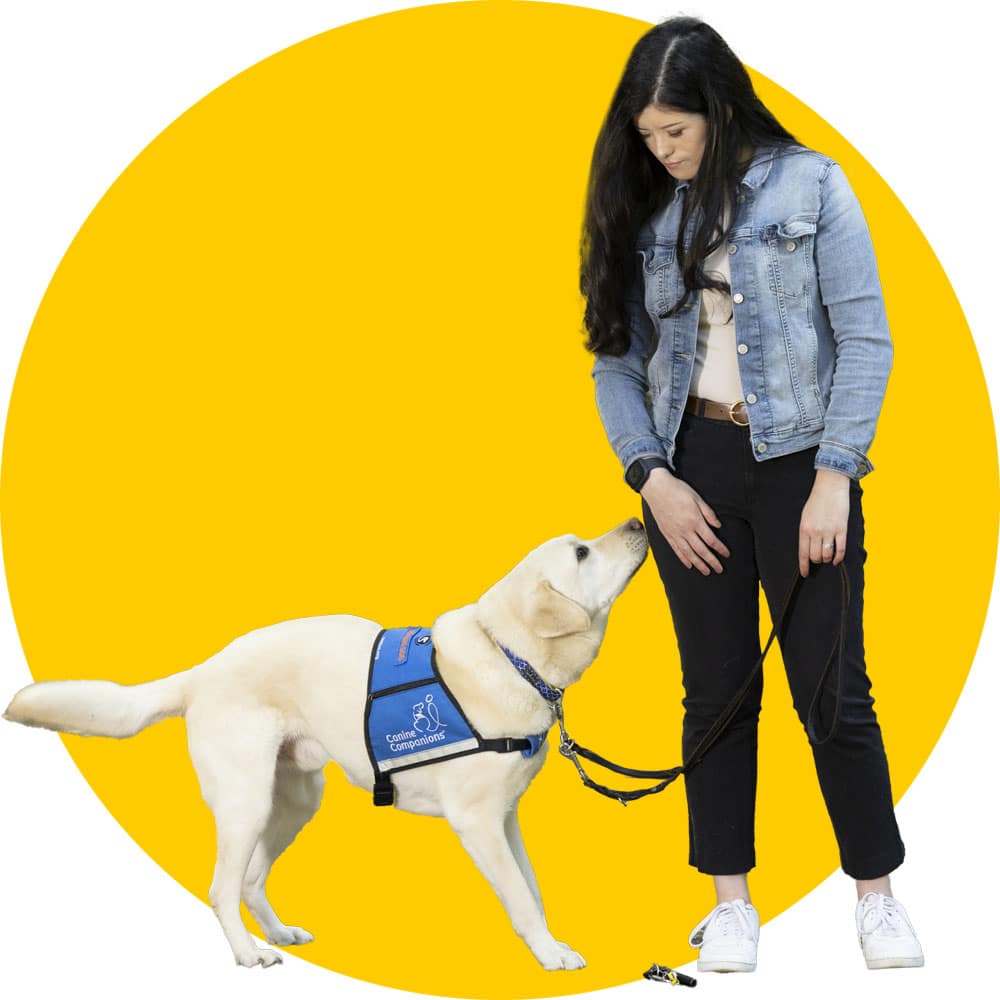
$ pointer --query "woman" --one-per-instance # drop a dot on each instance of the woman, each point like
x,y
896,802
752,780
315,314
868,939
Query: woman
x,y
739,375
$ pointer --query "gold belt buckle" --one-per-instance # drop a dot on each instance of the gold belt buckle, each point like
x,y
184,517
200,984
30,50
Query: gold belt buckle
x,y
732,410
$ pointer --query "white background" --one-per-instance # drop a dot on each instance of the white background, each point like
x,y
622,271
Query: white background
x,y
85,86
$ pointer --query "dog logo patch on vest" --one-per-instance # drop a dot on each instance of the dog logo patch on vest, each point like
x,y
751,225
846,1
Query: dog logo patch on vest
x,y
429,722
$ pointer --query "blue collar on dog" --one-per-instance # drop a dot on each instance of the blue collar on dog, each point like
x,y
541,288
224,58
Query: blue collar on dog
x,y
528,672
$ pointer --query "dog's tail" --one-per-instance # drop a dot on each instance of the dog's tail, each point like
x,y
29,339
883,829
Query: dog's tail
x,y
99,708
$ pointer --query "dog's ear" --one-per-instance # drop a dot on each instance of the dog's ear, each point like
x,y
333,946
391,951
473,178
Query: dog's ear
x,y
553,614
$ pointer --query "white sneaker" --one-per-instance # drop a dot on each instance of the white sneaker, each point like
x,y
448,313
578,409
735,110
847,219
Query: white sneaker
x,y
886,934
727,938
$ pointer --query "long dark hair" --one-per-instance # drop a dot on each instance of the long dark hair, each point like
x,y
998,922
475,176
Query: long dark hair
x,y
683,64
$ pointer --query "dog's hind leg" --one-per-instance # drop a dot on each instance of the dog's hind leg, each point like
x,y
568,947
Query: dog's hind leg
x,y
483,835
297,796
234,752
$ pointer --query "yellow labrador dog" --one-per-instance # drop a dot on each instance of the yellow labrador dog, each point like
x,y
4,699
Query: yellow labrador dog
x,y
265,714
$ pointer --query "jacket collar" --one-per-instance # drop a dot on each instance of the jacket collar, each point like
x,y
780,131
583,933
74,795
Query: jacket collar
x,y
760,167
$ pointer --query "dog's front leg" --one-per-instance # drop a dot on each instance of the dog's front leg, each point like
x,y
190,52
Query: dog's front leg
x,y
485,838
513,831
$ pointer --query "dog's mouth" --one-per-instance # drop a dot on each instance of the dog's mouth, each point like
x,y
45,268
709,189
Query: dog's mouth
x,y
635,569
638,566
642,558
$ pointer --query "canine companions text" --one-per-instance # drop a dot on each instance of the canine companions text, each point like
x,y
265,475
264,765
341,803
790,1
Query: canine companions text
x,y
266,713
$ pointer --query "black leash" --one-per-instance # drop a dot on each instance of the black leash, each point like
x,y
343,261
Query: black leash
x,y
570,749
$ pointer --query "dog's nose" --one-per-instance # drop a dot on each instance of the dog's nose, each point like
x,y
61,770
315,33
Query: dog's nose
x,y
634,524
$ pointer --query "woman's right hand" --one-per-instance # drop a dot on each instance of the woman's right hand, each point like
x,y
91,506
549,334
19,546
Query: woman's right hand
x,y
685,521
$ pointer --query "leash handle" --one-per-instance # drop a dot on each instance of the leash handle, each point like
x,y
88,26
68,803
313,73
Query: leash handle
x,y
840,643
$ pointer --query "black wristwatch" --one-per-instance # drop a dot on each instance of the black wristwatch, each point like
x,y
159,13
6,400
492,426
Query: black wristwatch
x,y
638,471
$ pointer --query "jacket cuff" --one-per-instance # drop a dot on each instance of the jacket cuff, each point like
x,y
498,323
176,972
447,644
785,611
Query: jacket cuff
x,y
645,446
843,459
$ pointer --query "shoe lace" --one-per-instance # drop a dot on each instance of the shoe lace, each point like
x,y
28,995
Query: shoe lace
x,y
879,913
727,918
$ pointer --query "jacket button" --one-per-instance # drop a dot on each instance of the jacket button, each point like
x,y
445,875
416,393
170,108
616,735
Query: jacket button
x,y
733,248
738,298
790,246
762,447
742,348
751,398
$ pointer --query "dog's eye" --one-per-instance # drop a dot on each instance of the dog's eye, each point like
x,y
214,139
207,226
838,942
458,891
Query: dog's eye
x,y
582,552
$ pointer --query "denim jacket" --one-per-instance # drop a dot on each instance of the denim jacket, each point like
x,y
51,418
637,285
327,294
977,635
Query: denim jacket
x,y
813,343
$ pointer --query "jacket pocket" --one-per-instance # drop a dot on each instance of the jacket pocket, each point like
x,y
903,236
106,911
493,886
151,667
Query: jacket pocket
x,y
659,273
790,255
656,255
798,225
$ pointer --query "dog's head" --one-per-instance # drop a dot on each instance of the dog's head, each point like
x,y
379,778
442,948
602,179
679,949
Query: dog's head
x,y
554,604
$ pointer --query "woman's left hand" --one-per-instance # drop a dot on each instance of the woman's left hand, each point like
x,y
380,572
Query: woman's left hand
x,y
824,520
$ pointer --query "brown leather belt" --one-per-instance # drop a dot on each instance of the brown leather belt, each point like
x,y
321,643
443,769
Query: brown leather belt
x,y
731,412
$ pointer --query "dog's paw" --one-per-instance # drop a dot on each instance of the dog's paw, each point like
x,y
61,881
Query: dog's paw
x,y
570,959
289,935
259,956
560,956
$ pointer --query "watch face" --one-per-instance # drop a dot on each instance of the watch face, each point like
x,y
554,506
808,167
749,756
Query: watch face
x,y
635,474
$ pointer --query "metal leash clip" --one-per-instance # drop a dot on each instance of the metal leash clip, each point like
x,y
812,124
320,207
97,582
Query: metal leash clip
x,y
663,974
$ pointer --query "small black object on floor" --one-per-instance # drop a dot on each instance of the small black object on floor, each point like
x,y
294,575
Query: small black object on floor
x,y
663,974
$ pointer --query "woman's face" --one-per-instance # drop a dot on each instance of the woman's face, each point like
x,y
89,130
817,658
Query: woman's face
x,y
675,138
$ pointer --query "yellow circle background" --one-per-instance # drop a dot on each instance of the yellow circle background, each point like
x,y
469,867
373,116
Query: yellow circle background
x,y
317,350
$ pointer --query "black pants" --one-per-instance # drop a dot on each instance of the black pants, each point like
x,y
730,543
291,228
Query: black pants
x,y
716,621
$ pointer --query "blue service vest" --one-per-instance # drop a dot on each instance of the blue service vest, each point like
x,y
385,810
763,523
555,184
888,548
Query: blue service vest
x,y
411,718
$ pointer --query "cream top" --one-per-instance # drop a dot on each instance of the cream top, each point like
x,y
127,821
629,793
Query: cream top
x,y
716,373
